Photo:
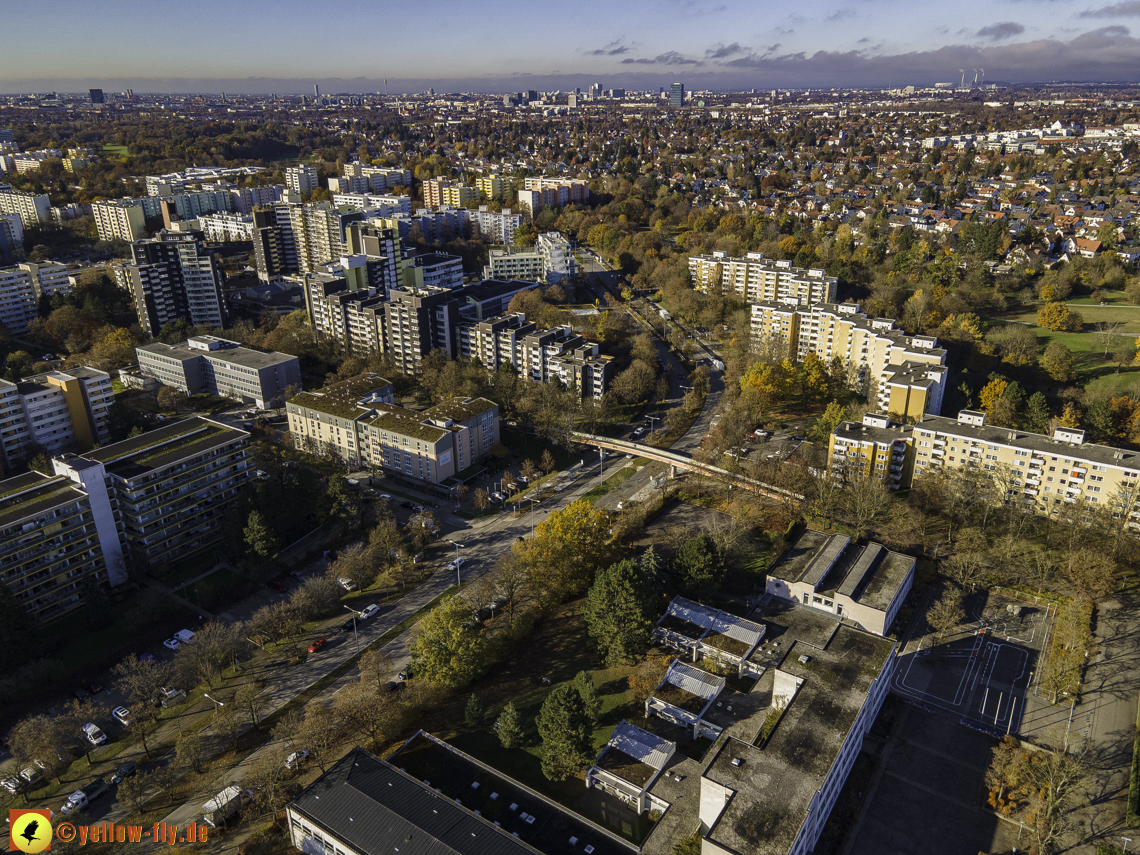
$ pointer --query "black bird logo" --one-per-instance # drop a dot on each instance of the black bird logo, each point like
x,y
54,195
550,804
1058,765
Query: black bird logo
x,y
29,832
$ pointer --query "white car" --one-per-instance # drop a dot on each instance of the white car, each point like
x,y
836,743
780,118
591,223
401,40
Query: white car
x,y
123,716
296,758
346,583
184,636
94,735
383,496
10,784
457,563
369,611
171,643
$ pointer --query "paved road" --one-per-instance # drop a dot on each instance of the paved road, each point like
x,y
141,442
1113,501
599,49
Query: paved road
x,y
482,543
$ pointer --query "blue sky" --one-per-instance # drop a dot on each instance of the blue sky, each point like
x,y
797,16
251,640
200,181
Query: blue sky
x,y
287,45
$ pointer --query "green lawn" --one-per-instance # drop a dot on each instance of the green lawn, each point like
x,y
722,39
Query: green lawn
x,y
1093,370
612,483
1113,298
116,150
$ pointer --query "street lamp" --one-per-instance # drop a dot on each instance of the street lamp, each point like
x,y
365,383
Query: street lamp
x,y
1126,840
458,580
217,703
653,419
355,635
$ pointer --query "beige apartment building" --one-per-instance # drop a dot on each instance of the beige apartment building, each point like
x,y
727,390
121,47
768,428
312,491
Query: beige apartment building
x,y
755,278
902,374
118,219
358,420
1043,474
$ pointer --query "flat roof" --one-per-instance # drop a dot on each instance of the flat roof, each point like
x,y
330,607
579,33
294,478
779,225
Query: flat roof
x,y
1121,458
460,409
377,809
774,784
161,447
33,493
342,399
242,356
810,557
505,801
398,420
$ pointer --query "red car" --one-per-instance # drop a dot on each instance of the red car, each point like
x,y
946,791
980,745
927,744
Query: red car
x,y
317,645
280,587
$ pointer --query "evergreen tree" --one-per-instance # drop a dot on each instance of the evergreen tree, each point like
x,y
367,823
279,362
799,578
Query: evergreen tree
x,y
699,566
258,536
473,714
584,683
509,727
619,610
564,726
1037,413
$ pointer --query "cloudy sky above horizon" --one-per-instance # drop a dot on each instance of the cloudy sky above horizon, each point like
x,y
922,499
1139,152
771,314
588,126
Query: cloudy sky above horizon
x,y
287,45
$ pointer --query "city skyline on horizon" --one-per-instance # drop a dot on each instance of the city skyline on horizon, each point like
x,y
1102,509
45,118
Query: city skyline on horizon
x,y
259,48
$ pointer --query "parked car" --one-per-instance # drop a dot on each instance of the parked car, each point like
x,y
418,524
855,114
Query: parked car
x,y
94,735
522,479
383,496
319,644
348,626
148,658
125,771
410,505
457,563
33,774
11,784
278,586
296,758
171,697
346,583
93,687
171,644
123,716
405,674
497,497
369,611
81,694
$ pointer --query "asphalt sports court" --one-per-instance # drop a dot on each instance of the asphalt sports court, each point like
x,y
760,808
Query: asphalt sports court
x,y
980,672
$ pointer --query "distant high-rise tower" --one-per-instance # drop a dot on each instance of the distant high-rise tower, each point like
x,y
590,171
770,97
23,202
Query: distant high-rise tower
x,y
677,95
96,96
316,91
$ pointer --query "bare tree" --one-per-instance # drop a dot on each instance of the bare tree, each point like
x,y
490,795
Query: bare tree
x,y
252,702
865,497
316,597
142,682
946,613
512,581
1056,778
355,563
269,780
319,733
375,666
1106,333
288,728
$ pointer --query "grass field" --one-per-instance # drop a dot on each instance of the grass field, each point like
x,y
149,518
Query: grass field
x,y
117,150
557,651
612,483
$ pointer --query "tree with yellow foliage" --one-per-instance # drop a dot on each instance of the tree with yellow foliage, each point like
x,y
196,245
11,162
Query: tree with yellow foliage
x,y
761,386
992,393
1071,416
1058,362
567,550
1059,317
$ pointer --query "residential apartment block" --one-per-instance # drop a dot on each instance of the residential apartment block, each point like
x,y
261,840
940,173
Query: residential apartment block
x,y
357,419
495,185
53,412
542,356
174,276
152,499
378,205
226,228
119,219
877,447
171,487
755,279
374,179
33,209
444,191
301,179
901,373
21,288
538,193
50,541
550,260
499,227
205,363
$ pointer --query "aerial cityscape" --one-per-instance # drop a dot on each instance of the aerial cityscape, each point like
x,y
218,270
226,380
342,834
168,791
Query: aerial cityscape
x,y
693,430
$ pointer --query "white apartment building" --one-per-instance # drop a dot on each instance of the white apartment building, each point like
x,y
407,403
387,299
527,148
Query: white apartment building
x,y
224,228
218,366
31,208
374,179
57,411
756,279
376,205
549,261
21,288
903,374
120,219
498,226
301,179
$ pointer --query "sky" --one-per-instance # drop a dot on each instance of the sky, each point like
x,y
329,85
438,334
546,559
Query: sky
x,y
286,46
